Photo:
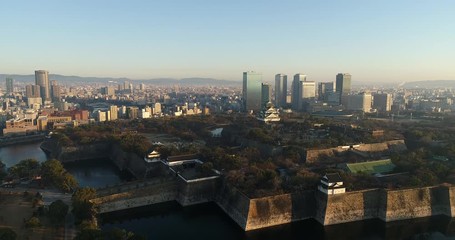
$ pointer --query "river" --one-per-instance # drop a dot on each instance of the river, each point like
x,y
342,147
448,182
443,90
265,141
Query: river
x,y
208,221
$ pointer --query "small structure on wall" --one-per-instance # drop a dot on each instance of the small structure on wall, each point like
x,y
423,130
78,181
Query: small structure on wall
x,y
331,184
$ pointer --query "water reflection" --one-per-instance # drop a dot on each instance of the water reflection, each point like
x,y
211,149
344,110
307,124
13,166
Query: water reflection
x,y
207,221
13,154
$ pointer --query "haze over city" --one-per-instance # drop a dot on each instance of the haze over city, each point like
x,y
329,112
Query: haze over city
x,y
384,41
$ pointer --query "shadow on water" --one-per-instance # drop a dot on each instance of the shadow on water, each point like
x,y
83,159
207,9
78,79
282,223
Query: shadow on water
x,y
97,173
208,221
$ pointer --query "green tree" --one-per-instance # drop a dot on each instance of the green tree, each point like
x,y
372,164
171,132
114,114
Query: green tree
x,y
54,173
67,182
7,234
58,211
83,209
25,168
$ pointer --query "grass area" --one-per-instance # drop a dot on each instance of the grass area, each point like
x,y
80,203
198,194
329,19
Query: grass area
x,y
14,208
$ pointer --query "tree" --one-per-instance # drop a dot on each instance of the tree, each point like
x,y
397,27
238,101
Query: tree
x,y
58,211
7,234
2,170
25,168
54,173
83,209
33,222
52,170
67,182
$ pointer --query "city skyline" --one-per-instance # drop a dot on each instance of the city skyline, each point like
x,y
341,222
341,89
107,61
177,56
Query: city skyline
x,y
383,41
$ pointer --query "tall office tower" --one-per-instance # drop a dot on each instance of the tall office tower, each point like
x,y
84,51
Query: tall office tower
x,y
9,85
266,94
132,112
297,90
157,108
343,84
142,87
126,85
32,91
325,89
114,112
252,91
382,102
55,91
308,90
29,91
359,102
42,80
281,90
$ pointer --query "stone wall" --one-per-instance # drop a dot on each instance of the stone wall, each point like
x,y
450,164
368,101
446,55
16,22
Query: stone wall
x,y
259,213
127,161
269,211
348,207
84,152
387,205
136,195
235,204
197,192
373,148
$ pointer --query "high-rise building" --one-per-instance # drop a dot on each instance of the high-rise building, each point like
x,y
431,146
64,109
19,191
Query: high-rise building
x,y
266,94
9,85
55,91
114,112
308,90
297,90
281,88
42,80
359,102
109,91
343,84
32,91
132,112
382,102
325,89
252,91
157,108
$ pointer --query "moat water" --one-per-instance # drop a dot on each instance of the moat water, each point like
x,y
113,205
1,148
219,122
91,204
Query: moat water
x,y
208,221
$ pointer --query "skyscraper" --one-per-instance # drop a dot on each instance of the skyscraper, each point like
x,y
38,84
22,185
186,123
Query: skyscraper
x,y
32,91
9,85
343,84
359,102
252,91
308,90
382,102
113,112
281,88
42,80
324,89
266,93
55,91
297,90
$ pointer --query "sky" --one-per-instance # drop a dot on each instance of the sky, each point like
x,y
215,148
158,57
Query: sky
x,y
376,41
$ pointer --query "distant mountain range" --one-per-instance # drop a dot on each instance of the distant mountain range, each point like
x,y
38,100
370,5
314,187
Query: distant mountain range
x,y
430,84
62,79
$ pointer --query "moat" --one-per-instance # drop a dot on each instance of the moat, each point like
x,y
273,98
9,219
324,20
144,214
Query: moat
x,y
208,221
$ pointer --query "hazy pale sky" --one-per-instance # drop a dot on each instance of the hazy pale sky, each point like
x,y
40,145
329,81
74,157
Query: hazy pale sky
x,y
388,41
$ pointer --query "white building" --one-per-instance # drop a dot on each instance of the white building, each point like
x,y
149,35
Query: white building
x,y
331,184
